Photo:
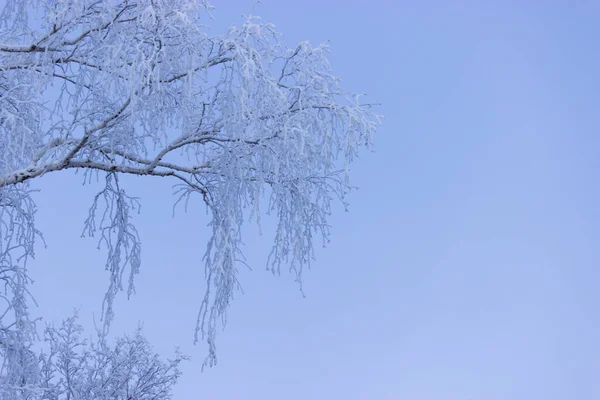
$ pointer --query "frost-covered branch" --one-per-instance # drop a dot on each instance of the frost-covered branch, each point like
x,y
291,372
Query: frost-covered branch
x,y
141,89
17,328
73,368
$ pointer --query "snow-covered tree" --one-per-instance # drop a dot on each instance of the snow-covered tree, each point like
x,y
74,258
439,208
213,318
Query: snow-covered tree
x,y
76,369
238,122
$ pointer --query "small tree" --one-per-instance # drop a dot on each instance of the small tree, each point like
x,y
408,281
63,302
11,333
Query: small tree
x,y
139,87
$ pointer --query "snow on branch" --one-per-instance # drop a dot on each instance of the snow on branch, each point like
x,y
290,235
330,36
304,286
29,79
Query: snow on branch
x,y
144,90
74,368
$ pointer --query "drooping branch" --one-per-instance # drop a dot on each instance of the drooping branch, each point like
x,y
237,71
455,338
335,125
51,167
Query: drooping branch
x,y
145,92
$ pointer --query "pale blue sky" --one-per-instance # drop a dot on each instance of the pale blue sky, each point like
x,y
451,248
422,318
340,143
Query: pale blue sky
x,y
467,268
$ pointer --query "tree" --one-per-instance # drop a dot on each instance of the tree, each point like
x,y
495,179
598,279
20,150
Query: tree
x,y
237,121
74,369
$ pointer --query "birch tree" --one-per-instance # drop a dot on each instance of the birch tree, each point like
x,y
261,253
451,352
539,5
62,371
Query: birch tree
x,y
238,121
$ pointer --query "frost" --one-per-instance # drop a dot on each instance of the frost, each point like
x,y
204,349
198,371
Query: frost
x,y
145,90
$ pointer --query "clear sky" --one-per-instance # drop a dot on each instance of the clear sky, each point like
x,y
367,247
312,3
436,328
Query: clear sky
x,y
467,267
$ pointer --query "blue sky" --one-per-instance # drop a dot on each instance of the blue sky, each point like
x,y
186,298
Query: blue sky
x,y
467,267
